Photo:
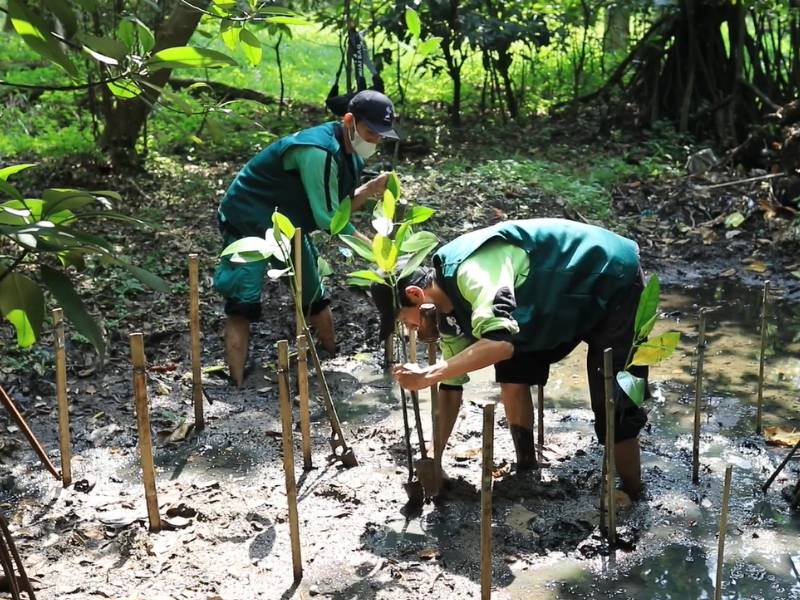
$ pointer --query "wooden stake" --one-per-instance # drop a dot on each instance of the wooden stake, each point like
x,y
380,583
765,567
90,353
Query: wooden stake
x,y
486,501
64,443
302,388
194,327
761,356
288,457
723,527
540,415
772,477
142,405
611,468
432,350
12,552
17,417
698,394
298,280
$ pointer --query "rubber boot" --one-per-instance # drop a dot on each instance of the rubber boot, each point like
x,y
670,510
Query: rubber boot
x,y
627,457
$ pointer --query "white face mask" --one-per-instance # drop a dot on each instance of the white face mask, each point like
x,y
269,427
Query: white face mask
x,y
361,146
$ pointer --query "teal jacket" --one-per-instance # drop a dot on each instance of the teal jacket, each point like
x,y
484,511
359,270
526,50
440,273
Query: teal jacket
x,y
264,185
578,274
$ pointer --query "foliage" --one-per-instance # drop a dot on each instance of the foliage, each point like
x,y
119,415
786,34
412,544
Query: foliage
x,y
644,351
42,240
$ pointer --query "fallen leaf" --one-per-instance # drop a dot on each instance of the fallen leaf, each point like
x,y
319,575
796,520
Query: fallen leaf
x,y
728,273
429,553
780,436
757,266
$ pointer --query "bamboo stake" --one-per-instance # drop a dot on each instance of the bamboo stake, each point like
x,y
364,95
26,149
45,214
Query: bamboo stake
x,y
17,417
611,468
8,569
429,334
540,415
486,502
761,356
298,280
302,388
194,327
64,443
288,458
723,527
142,405
698,394
12,549
772,477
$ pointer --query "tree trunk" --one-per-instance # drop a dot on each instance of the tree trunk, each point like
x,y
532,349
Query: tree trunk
x,y
617,30
124,119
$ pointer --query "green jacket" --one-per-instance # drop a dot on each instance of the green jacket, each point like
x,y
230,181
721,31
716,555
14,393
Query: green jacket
x,y
264,184
578,274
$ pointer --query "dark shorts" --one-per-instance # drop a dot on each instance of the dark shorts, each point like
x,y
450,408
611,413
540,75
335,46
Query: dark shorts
x,y
614,331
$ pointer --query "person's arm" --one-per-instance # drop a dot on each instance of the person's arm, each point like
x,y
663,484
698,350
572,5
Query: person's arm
x,y
481,354
374,187
320,179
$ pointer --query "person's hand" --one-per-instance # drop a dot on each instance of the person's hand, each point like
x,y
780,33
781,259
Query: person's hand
x,y
378,184
411,376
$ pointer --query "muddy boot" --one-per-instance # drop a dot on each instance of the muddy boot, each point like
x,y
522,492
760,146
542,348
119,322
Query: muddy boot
x,y
322,322
628,462
524,448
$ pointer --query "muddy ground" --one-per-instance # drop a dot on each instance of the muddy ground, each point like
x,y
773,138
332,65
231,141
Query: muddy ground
x,y
221,490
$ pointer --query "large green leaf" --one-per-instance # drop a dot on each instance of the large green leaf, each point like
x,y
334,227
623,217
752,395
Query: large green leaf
x,y
61,9
648,304
389,203
124,88
341,217
323,267
412,22
74,308
9,190
393,184
358,246
229,32
415,261
251,245
131,30
35,33
282,223
251,46
429,46
368,276
419,214
385,252
7,172
633,386
64,199
22,304
419,241
188,57
104,49
656,349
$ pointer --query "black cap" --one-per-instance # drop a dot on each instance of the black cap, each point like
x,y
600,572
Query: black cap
x,y
376,110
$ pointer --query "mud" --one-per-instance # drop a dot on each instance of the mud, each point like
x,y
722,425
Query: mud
x,y
222,496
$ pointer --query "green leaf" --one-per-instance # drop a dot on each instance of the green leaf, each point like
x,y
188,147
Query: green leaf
x,y
9,190
369,276
323,267
419,214
402,232
229,33
72,258
633,386
282,223
108,50
7,172
215,130
35,33
429,46
225,5
284,20
188,57
341,217
151,280
251,46
412,22
22,304
419,241
131,30
385,252
646,328
64,14
124,88
654,350
415,261
648,304
393,184
57,199
389,203
252,244
733,220
74,308
358,246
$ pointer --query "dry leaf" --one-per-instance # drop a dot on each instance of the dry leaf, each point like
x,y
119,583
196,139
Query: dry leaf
x,y
429,553
780,436
728,273
757,266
